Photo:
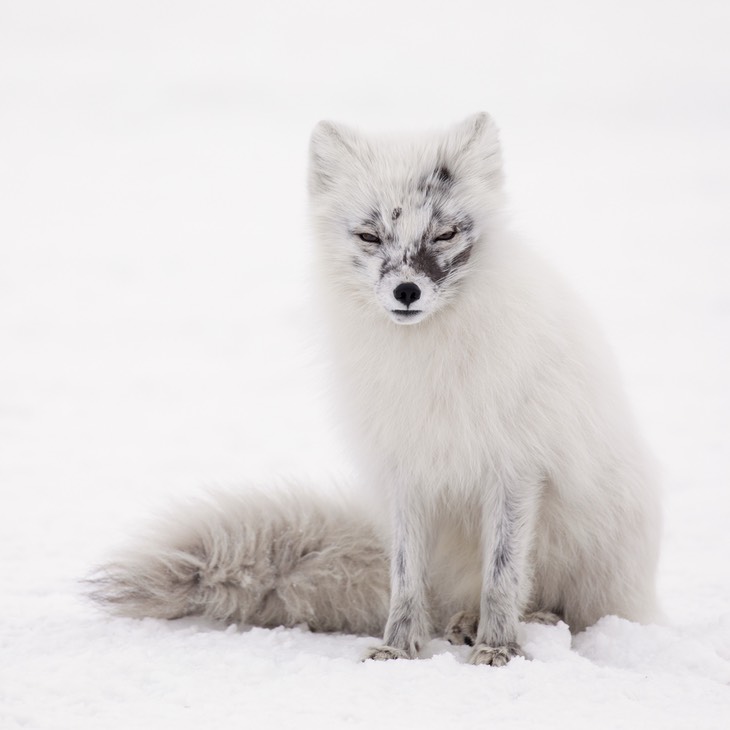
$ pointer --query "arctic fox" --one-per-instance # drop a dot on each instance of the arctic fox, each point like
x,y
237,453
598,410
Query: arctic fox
x,y
483,407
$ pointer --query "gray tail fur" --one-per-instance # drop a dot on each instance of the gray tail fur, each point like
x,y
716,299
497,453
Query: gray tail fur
x,y
255,558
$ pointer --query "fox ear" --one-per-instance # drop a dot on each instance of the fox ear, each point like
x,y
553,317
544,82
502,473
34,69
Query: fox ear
x,y
473,145
330,147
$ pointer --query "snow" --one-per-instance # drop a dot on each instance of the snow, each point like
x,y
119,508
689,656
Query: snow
x,y
158,335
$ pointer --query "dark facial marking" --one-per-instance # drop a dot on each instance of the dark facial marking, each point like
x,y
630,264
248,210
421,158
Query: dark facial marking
x,y
439,181
444,176
388,266
396,213
374,219
462,257
426,262
465,224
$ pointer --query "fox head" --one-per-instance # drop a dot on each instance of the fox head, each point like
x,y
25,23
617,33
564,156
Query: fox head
x,y
401,221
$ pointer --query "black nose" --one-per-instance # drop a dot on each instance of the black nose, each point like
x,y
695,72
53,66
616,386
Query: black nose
x,y
407,293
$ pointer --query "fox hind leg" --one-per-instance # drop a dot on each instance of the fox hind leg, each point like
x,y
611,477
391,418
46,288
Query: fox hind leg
x,y
462,628
547,618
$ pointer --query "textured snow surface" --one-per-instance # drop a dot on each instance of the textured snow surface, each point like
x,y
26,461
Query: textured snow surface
x,y
157,335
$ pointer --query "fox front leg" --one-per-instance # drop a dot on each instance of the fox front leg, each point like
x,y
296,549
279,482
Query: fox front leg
x,y
408,624
507,530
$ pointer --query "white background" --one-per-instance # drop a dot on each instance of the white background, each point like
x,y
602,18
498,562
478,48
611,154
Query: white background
x,y
157,331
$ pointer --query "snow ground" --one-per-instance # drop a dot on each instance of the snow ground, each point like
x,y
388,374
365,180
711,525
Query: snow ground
x,y
157,335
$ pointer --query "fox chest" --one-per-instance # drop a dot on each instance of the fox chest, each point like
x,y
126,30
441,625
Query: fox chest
x,y
423,422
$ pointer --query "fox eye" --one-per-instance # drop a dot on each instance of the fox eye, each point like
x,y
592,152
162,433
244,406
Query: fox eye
x,y
369,237
446,236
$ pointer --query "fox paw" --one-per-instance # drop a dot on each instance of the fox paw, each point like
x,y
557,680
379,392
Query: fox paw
x,y
495,656
383,653
548,618
462,629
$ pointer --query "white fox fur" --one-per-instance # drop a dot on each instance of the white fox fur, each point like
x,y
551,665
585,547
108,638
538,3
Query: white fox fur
x,y
484,409
277,558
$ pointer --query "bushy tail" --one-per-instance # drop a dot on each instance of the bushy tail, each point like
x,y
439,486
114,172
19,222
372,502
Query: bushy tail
x,y
255,558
